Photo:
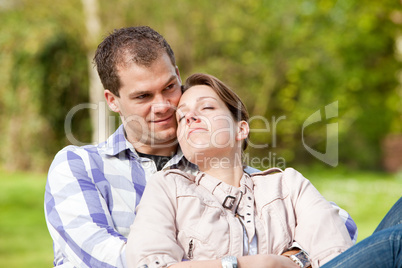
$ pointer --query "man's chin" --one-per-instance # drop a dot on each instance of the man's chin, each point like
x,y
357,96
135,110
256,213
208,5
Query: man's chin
x,y
165,139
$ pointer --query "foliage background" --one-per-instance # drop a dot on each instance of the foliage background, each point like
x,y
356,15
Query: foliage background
x,y
284,58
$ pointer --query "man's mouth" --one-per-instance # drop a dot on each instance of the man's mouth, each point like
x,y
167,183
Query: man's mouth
x,y
166,119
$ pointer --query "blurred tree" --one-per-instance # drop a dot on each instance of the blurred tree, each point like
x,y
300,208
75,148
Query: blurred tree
x,y
30,119
286,59
93,27
291,59
64,85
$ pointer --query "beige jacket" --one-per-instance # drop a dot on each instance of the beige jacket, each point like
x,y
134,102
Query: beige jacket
x,y
182,216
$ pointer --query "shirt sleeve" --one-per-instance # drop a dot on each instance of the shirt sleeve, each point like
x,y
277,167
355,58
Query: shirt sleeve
x,y
78,218
349,222
152,239
319,230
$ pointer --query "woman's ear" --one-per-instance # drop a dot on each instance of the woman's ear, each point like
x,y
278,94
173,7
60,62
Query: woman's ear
x,y
111,100
243,130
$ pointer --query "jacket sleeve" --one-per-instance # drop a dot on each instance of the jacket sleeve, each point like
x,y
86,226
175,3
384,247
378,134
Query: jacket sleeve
x,y
78,218
152,239
319,229
343,214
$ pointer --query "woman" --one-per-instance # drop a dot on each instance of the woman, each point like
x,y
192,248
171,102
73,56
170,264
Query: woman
x,y
222,211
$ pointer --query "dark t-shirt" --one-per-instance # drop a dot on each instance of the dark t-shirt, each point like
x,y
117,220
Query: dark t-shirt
x,y
159,160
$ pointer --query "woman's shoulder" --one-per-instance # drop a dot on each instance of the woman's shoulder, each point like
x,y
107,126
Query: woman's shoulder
x,y
276,183
172,175
276,172
270,171
179,175
278,180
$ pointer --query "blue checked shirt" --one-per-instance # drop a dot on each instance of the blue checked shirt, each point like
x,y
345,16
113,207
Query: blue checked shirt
x,y
90,199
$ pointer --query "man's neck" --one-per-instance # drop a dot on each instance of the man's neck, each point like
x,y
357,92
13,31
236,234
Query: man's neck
x,y
162,151
168,148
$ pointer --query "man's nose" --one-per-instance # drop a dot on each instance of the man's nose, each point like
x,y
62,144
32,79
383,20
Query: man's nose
x,y
161,105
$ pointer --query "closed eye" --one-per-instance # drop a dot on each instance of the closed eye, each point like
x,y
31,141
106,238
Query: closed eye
x,y
180,115
208,108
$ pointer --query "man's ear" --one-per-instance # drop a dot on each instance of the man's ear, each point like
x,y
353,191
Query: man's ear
x,y
112,101
243,130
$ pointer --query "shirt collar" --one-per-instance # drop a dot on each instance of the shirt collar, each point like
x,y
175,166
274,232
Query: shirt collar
x,y
174,162
116,143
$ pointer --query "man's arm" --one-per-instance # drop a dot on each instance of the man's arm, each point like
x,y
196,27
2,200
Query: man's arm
x,y
349,222
78,217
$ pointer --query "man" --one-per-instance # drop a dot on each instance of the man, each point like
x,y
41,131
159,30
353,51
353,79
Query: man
x,y
92,191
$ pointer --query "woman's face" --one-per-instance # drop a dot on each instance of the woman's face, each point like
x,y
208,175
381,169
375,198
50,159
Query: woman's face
x,y
206,127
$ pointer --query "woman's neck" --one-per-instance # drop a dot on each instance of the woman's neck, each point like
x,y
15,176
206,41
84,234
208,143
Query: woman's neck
x,y
230,173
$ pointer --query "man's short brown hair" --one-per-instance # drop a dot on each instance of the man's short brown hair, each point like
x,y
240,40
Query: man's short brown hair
x,y
140,45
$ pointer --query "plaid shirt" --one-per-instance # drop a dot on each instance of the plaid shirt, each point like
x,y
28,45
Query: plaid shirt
x,y
90,199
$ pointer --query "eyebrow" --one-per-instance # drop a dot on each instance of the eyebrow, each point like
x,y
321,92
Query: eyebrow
x,y
142,92
198,99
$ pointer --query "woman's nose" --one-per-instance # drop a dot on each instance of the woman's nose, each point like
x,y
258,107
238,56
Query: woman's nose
x,y
191,117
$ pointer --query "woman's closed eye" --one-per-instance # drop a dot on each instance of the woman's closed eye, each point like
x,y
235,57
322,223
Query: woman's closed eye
x,y
180,115
208,108
180,118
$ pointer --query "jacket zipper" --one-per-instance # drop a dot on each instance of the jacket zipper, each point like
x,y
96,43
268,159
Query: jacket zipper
x,y
190,250
244,231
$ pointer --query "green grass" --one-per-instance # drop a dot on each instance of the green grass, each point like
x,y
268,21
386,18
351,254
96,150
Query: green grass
x,y
366,196
24,238
25,241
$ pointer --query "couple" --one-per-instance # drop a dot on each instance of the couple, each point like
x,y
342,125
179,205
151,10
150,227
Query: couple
x,y
92,191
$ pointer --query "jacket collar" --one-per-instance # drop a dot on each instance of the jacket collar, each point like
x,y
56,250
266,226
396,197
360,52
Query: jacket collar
x,y
227,195
240,201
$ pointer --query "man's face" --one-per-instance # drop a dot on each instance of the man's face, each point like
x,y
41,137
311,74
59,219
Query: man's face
x,y
147,103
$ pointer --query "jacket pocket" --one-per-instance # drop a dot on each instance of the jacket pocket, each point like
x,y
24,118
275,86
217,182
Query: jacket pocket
x,y
207,236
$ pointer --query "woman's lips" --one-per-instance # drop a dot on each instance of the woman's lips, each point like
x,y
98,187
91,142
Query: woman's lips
x,y
198,129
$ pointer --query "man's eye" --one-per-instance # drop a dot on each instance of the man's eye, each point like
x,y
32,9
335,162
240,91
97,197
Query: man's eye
x,y
169,87
143,96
